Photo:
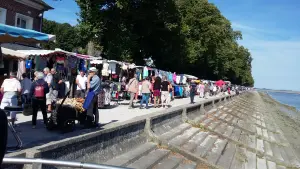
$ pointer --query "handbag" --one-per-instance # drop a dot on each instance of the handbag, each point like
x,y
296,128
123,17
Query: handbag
x,y
88,100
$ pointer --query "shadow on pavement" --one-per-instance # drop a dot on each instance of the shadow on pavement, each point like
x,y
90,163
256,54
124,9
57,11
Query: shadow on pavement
x,y
40,135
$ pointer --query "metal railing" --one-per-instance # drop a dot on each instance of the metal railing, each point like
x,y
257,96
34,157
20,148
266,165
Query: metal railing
x,y
37,163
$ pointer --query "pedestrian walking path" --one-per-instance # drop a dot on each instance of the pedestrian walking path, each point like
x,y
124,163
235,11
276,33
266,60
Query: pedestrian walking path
x,y
115,114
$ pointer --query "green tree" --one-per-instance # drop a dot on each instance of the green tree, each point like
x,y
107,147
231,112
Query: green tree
x,y
187,36
67,37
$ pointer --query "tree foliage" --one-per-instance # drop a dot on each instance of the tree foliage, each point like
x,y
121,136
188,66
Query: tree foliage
x,y
67,37
190,36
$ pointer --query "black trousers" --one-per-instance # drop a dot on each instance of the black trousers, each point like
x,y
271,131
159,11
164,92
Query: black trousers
x,y
36,105
192,96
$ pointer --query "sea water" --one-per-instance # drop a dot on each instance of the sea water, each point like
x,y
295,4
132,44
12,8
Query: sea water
x,y
291,99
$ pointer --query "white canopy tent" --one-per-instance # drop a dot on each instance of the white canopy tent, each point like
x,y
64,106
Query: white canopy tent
x,y
191,77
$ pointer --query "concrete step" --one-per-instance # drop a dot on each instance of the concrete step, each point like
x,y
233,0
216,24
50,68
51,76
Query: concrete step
x,y
171,162
219,112
260,145
150,160
234,120
214,124
236,134
284,155
228,118
276,152
205,146
268,149
175,131
187,166
228,131
265,133
223,116
261,163
195,141
280,167
131,156
271,137
252,141
216,152
206,122
227,156
251,160
239,160
259,131
220,128
292,156
271,165
200,118
187,135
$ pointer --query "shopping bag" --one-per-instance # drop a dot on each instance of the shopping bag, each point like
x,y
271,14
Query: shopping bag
x,y
88,100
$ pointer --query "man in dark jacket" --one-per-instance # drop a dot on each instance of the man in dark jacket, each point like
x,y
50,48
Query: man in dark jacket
x,y
38,92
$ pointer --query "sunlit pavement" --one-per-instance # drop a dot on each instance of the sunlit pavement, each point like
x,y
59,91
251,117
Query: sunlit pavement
x,y
116,113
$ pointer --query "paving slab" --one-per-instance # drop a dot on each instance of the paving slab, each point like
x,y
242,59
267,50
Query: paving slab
x,y
150,160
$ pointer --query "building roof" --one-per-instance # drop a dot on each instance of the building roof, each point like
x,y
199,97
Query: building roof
x,y
41,2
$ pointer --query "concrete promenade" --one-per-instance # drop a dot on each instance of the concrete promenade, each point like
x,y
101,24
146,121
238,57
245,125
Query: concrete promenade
x,y
235,132
115,114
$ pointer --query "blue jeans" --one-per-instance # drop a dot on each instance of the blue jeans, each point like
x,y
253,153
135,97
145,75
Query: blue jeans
x,y
145,98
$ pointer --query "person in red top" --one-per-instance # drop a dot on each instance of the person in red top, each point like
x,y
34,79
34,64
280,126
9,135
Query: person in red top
x,y
38,92
156,91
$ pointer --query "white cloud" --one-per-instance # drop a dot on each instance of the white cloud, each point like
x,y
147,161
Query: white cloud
x,y
276,59
239,26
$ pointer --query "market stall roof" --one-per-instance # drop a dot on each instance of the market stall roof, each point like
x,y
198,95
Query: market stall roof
x,y
23,52
13,53
191,77
86,57
97,62
15,34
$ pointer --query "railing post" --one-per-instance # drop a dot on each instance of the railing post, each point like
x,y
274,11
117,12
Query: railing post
x,y
202,109
184,115
213,104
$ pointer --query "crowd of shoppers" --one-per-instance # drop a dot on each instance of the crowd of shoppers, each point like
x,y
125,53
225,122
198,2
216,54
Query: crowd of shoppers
x,y
44,90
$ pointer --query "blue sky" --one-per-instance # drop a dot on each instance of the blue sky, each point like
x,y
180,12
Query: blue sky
x,y
271,31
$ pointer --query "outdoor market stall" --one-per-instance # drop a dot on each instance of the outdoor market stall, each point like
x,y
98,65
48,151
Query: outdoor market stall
x,y
10,34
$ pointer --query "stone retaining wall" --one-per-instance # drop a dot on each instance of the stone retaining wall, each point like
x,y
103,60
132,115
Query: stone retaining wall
x,y
120,138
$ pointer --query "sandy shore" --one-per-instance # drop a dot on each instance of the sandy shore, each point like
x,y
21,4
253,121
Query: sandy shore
x,y
287,118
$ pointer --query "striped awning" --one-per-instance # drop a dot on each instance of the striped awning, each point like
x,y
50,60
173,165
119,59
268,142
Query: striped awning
x,y
10,34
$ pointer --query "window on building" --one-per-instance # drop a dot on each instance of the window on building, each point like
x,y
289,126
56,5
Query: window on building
x,y
3,15
23,21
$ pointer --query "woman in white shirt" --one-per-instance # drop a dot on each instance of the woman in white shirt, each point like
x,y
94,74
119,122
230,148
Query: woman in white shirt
x,y
81,81
11,88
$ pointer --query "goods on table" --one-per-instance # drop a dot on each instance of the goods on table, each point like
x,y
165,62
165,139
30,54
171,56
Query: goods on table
x,y
74,102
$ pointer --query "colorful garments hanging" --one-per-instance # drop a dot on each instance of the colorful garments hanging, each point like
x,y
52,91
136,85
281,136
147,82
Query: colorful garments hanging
x,y
21,68
145,72
60,59
28,64
72,62
174,77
